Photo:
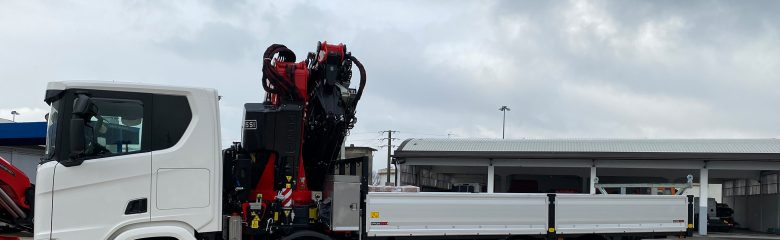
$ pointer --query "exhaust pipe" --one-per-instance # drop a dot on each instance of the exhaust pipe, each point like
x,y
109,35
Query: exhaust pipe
x,y
9,205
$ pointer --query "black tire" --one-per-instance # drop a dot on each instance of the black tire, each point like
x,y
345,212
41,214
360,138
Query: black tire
x,y
307,235
519,238
591,237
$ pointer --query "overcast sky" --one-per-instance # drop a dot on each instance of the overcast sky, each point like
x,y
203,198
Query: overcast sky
x,y
567,69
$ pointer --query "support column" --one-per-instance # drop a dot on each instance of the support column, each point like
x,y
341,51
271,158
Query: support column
x,y
491,177
507,182
397,174
593,179
703,199
500,184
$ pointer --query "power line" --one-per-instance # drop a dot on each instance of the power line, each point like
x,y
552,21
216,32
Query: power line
x,y
353,133
365,139
428,134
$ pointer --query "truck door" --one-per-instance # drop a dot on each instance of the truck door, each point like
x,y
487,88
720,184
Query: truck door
x,y
110,184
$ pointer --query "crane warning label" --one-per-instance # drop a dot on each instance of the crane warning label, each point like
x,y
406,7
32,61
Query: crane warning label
x,y
374,214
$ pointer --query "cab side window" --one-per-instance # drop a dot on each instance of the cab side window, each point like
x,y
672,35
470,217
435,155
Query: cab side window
x,y
171,115
116,127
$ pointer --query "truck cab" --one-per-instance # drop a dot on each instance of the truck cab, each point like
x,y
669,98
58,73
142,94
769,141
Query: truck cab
x,y
129,161
138,161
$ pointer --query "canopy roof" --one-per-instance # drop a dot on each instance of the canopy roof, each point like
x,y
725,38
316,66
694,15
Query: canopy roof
x,y
730,149
22,133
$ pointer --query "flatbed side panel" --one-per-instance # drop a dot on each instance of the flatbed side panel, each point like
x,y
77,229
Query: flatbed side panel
x,y
455,214
584,214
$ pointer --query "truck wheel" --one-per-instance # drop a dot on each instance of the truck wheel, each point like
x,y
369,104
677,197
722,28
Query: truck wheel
x,y
519,238
591,237
307,235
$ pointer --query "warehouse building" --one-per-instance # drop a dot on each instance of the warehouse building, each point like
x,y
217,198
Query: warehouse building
x,y
21,144
745,170
353,151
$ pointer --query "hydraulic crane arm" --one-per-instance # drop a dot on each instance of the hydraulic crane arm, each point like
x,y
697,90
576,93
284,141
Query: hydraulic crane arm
x,y
290,140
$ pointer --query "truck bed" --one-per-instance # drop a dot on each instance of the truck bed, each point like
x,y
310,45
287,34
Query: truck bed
x,y
584,213
477,214
446,214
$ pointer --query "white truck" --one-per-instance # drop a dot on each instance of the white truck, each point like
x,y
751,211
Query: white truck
x,y
134,161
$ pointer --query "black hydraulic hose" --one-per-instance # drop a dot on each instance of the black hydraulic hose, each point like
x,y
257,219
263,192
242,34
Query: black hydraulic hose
x,y
362,78
267,74
272,81
271,77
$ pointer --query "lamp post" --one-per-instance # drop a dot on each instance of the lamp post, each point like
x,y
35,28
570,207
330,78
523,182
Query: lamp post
x,y
503,125
13,114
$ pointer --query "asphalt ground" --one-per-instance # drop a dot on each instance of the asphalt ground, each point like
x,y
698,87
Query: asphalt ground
x,y
738,234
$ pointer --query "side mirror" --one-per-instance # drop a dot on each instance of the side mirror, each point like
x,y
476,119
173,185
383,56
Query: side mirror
x,y
81,106
77,145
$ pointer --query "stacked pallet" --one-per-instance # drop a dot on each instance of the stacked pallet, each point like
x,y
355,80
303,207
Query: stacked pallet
x,y
420,176
393,189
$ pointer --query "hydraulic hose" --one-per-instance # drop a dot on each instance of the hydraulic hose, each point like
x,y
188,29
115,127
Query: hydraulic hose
x,y
362,78
273,82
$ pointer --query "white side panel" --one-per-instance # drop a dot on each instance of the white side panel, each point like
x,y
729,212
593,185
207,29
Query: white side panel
x,y
179,191
450,214
102,189
584,213
183,188
43,198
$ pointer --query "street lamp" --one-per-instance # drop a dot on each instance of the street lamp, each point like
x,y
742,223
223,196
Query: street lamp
x,y
13,114
503,125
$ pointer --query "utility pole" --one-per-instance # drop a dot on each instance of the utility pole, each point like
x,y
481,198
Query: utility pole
x,y
503,125
389,152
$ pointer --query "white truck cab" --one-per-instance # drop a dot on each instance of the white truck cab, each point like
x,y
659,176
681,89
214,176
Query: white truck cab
x,y
146,164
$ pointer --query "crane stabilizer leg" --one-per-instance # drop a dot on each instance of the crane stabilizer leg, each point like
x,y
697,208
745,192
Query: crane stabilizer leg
x,y
291,139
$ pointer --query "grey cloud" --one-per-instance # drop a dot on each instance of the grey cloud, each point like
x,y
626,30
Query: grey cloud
x,y
567,68
215,41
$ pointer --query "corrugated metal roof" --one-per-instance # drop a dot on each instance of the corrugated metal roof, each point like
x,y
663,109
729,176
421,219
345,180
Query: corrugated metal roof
x,y
593,145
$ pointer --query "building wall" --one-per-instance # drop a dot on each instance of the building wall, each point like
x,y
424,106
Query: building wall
x,y
353,152
756,212
383,177
715,191
755,202
26,159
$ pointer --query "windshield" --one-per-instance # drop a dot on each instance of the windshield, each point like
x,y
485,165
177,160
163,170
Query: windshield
x,y
51,128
